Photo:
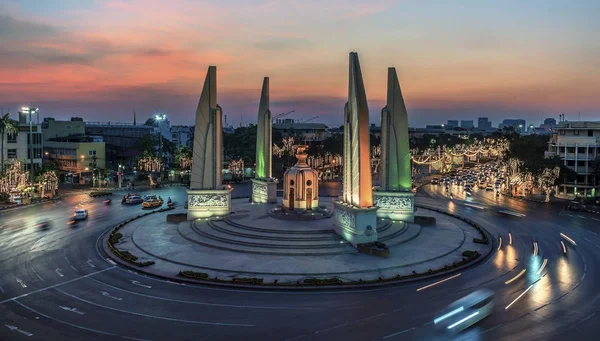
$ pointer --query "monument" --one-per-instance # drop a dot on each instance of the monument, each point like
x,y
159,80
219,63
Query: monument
x,y
264,187
394,197
300,184
355,216
207,197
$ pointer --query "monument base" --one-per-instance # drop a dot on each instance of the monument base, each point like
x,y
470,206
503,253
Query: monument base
x,y
395,205
264,191
355,224
206,203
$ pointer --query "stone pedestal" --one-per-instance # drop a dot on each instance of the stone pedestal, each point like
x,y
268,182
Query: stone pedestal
x,y
395,205
356,225
264,191
206,203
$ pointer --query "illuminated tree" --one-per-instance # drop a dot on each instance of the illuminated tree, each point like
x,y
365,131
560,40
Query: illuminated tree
x,y
7,126
547,180
149,163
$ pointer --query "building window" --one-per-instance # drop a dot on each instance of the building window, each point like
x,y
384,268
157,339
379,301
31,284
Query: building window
x,y
580,163
562,131
37,153
570,149
37,138
308,182
11,153
291,182
590,132
68,127
570,163
12,138
575,132
91,152
581,150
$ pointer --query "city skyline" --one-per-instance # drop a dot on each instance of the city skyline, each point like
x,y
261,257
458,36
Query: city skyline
x,y
455,61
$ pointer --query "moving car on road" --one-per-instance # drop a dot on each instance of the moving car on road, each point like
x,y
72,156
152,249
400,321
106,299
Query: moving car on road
x,y
80,214
466,311
134,199
152,203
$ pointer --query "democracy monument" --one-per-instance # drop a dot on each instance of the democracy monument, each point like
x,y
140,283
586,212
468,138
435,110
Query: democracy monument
x,y
302,236
355,213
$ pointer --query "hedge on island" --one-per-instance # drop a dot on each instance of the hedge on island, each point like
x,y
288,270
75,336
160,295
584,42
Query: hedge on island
x,y
99,194
194,274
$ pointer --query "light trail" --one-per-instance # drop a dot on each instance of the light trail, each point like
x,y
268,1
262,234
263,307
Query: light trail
x,y
516,299
516,277
440,282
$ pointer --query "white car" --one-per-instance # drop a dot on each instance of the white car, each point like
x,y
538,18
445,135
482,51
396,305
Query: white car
x,y
466,311
80,214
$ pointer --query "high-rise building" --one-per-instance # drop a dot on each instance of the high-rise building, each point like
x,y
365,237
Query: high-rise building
x,y
451,123
466,124
577,144
483,123
519,124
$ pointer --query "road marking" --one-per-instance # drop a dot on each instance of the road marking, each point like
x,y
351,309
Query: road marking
x,y
489,330
439,282
332,328
18,330
1,289
518,297
72,267
141,285
104,293
516,277
111,261
55,286
368,318
397,310
63,322
398,333
73,310
592,232
20,281
157,317
596,219
296,338
133,338
90,263
58,272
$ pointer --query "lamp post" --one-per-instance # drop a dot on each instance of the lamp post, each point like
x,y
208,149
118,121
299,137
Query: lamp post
x,y
159,118
30,111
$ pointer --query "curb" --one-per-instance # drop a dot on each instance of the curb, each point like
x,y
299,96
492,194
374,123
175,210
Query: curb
x,y
304,287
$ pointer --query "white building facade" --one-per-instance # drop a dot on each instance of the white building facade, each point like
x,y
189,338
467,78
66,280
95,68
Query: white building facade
x,y
577,144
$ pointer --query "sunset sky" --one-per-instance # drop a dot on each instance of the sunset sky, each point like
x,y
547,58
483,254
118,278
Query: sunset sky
x,y
456,59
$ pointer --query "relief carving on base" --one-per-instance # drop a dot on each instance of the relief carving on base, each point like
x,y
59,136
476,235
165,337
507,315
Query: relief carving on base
x,y
207,200
259,189
393,202
345,219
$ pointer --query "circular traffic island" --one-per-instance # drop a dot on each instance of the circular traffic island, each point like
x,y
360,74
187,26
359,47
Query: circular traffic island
x,y
250,247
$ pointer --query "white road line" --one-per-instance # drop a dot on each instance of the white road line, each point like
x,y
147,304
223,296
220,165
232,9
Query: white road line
x,y
296,338
18,330
202,303
140,284
104,293
111,261
332,328
73,310
439,282
55,286
156,317
368,318
72,267
20,281
58,272
397,310
90,263
63,322
592,232
133,338
38,276
398,333
1,289
596,219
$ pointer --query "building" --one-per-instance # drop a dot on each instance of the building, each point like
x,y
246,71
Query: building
x,y
17,146
451,123
466,124
78,158
52,128
182,136
120,140
483,123
304,132
518,124
577,144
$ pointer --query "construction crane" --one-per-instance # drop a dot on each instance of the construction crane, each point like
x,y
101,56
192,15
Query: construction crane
x,y
283,114
310,119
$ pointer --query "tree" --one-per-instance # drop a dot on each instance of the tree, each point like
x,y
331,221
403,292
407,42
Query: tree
x,y
183,157
7,126
548,179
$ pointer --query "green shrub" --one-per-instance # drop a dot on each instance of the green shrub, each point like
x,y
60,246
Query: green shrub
x,y
480,241
146,263
247,280
99,193
322,281
470,254
193,274
128,256
114,238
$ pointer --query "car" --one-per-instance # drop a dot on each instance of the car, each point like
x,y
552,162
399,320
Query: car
x,y
152,203
80,214
465,312
134,199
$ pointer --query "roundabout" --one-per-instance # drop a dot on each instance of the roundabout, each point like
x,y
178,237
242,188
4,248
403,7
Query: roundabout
x,y
250,244
59,285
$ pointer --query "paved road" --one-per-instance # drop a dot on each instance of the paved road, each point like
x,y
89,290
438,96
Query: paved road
x,y
57,285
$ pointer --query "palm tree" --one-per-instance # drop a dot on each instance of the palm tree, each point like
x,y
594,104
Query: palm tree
x,y
7,126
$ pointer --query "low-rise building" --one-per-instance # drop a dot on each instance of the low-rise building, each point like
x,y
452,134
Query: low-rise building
x,y
305,132
18,147
79,158
577,144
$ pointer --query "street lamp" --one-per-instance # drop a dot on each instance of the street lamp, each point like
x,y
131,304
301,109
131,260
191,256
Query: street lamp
x,y
30,111
159,118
